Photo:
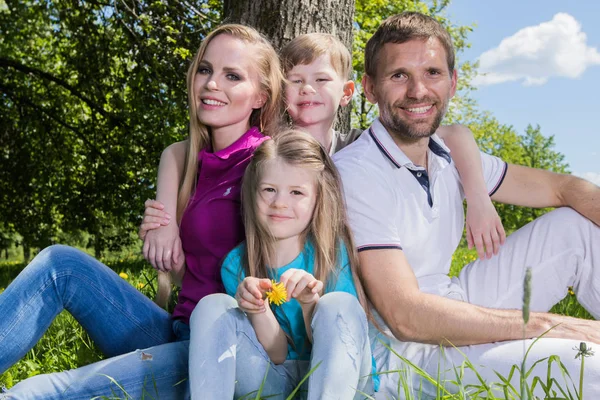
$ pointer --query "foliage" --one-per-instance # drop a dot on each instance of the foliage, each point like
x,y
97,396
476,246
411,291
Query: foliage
x,y
90,93
531,149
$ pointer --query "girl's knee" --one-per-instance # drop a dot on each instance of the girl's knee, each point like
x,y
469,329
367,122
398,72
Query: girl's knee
x,y
338,302
340,306
210,308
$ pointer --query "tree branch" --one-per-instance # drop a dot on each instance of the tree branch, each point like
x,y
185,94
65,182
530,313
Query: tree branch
x,y
5,62
25,101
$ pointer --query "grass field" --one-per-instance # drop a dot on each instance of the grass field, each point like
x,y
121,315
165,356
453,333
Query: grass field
x,y
66,345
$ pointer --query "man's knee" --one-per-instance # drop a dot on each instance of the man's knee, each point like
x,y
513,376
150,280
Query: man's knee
x,y
565,217
210,308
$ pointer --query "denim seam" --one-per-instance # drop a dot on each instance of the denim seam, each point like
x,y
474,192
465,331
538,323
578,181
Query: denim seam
x,y
263,353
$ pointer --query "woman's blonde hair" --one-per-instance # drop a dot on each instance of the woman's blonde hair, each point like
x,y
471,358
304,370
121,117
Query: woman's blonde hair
x,y
267,118
328,228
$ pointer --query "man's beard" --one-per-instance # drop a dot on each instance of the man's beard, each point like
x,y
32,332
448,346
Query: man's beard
x,y
411,132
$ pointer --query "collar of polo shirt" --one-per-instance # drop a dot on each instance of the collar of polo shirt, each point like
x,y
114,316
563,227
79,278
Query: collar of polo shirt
x,y
396,156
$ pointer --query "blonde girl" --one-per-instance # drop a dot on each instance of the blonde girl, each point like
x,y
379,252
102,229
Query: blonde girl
x,y
234,86
297,235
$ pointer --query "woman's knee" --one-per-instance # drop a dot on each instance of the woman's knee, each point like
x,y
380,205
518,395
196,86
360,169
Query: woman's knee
x,y
210,308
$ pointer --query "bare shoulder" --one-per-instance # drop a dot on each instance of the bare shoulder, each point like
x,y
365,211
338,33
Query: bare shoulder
x,y
178,149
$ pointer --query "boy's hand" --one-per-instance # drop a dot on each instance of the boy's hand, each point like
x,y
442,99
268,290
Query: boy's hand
x,y
250,294
302,286
484,228
162,248
154,217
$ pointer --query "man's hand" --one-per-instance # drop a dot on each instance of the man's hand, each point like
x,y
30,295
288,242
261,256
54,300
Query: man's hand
x,y
250,294
302,286
484,228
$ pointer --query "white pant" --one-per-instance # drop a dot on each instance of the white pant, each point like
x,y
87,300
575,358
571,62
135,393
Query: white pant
x,y
563,249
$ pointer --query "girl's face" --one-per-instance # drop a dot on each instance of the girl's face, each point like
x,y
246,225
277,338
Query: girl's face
x,y
227,86
286,198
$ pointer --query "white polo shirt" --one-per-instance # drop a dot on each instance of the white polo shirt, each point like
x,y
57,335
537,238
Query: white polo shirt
x,y
392,203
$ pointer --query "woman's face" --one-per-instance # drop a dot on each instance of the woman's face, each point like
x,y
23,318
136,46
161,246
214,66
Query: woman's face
x,y
227,85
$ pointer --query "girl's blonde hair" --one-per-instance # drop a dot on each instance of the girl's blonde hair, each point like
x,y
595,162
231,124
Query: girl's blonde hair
x,y
268,117
328,228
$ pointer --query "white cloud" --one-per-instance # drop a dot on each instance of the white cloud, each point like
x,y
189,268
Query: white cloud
x,y
557,48
593,177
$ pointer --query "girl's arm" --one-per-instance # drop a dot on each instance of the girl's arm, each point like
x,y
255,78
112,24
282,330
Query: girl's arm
x,y
306,289
162,246
270,335
250,295
484,228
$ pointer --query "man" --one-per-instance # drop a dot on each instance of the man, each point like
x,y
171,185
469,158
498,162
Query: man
x,y
404,199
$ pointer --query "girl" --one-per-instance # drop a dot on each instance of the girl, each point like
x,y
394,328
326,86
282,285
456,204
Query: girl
x,y
234,85
296,234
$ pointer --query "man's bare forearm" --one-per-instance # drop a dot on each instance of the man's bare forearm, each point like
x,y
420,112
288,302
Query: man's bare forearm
x,y
437,320
582,196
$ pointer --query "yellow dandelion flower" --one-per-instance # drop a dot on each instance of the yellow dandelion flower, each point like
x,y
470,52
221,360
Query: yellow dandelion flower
x,y
123,275
277,295
140,285
571,292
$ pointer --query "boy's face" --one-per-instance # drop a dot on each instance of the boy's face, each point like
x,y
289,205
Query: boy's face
x,y
315,91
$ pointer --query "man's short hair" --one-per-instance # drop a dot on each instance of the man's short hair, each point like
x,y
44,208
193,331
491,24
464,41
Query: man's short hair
x,y
401,28
305,49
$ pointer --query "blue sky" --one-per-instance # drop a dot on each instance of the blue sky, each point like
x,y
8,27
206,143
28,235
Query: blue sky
x,y
542,64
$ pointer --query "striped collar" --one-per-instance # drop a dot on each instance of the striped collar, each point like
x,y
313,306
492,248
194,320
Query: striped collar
x,y
396,156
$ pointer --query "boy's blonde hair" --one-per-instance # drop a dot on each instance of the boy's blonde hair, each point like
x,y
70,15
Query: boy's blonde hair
x,y
328,228
305,49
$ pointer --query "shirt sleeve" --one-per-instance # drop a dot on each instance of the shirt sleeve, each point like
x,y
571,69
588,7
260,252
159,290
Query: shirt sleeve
x,y
231,271
371,207
494,171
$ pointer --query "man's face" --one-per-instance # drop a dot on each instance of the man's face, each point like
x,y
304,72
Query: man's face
x,y
412,88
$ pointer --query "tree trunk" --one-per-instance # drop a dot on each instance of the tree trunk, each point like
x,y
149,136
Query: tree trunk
x,y
282,20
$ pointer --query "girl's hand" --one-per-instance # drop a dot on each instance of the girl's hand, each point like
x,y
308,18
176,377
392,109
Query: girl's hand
x,y
250,294
154,217
302,286
484,228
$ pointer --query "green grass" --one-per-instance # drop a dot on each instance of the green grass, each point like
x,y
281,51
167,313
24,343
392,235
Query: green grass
x,y
66,345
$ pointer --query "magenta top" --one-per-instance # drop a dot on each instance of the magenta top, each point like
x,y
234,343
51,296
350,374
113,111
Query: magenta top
x,y
211,225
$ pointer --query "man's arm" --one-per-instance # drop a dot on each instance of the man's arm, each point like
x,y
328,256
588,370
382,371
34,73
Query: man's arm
x,y
421,317
531,187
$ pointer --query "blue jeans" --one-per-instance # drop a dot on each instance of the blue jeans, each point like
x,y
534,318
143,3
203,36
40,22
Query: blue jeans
x,y
227,360
117,317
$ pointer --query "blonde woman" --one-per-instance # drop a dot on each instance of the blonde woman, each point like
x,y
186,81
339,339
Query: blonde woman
x,y
234,86
296,234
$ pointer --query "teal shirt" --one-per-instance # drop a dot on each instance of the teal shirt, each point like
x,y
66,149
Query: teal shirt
x,y
289,314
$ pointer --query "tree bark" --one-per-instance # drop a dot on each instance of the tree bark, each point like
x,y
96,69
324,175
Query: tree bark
x,y
282,20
